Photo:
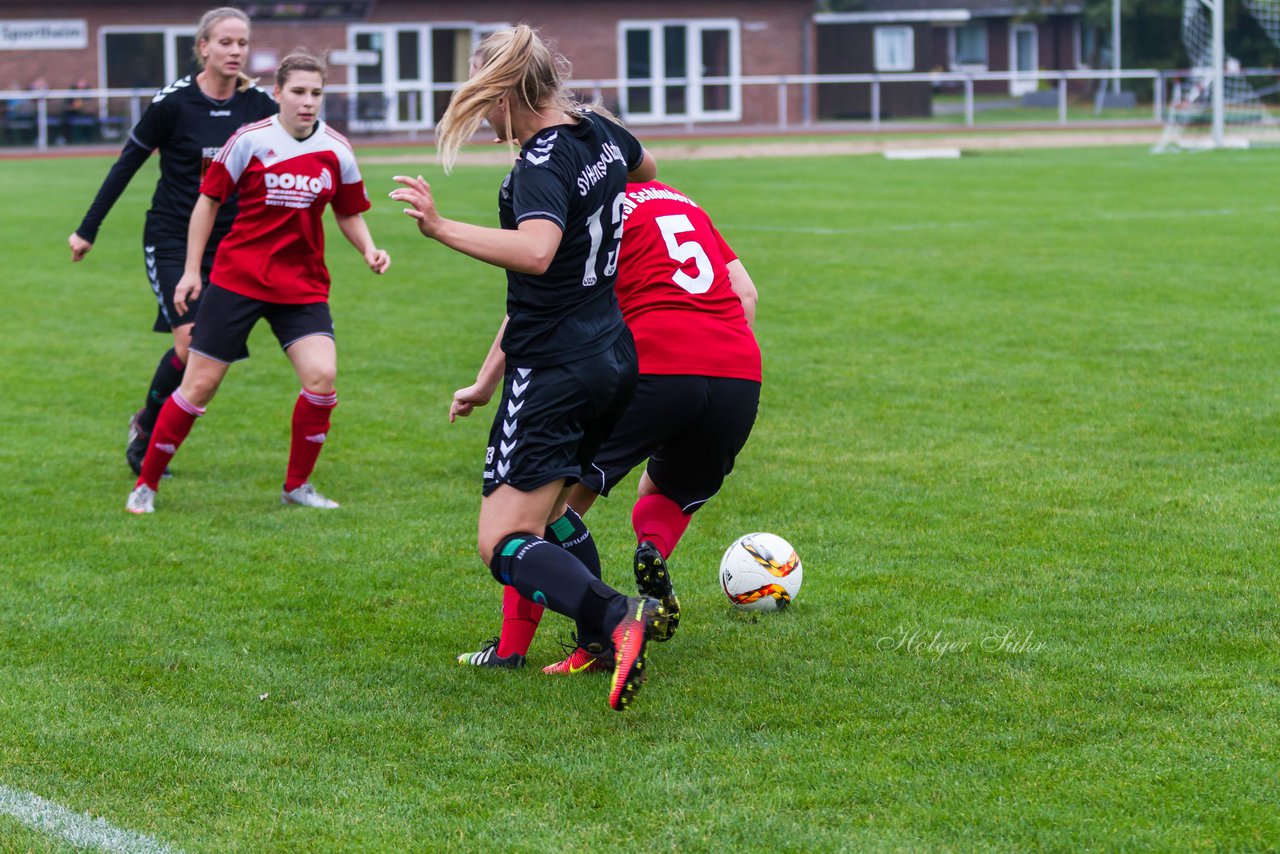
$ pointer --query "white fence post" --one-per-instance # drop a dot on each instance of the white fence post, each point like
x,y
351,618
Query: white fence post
x,y
42,124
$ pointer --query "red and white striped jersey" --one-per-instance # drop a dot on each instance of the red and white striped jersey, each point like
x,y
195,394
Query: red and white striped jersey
x,y
674,291
275,250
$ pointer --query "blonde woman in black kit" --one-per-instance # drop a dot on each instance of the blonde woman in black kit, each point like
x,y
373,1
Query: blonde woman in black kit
x,y
188,121
564,358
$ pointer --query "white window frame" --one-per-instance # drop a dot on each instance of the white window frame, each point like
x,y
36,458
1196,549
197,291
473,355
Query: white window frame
x,y
171,35
880,36
953,41
392,86
694,78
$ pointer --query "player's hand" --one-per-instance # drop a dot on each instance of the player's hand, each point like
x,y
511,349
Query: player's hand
x,y
79,247
378,260
467,399
188,290
416,192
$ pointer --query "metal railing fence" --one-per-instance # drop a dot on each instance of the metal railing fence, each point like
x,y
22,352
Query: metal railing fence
x,y
61,116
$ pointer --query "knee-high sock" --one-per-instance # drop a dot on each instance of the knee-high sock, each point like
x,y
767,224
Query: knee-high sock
x,y
546,574
659,520
519,622
520,617
164,382
176,419
310,428
570,533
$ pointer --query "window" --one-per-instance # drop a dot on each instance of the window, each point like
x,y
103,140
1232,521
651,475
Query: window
x,y
679,70
895,49
144,58
969,46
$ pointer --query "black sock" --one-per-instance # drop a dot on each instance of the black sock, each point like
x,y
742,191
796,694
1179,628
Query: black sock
x,y
570,533
549,575
167,378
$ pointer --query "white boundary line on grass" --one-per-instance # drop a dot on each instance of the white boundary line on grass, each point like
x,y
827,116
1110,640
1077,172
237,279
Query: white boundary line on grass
x,y
81,830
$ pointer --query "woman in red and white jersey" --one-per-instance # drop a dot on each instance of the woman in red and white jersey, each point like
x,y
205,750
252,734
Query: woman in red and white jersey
x,y
286,169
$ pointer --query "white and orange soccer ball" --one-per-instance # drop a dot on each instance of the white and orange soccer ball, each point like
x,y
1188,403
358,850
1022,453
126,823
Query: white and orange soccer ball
x,y
761,572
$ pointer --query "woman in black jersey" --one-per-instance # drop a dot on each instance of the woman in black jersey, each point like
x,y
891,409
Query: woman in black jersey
x,y
565,359
188,121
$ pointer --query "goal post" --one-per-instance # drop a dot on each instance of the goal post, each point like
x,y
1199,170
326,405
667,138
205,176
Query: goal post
x,y
1218,104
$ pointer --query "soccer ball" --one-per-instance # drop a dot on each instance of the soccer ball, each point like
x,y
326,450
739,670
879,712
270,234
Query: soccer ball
x,y
761,572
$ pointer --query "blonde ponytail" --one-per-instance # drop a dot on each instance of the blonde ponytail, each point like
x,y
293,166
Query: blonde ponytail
x,y
508,64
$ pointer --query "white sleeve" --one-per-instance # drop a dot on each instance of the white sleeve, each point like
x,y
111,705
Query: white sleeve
x,y
236,154
350,169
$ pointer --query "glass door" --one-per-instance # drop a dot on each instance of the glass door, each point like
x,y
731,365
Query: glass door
x,y
417,68
1025,59
680,70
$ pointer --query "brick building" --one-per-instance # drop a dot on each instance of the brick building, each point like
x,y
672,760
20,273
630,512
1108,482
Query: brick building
x,y
674,63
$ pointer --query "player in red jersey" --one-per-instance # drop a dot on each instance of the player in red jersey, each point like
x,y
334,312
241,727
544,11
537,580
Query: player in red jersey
x,y
690,304
286,169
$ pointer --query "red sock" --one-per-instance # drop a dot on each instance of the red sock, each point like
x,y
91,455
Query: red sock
x,y
519,622
659,520
172,426
310,427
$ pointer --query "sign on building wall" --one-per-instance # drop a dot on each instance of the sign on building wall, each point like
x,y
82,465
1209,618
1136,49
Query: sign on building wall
x,y
61,34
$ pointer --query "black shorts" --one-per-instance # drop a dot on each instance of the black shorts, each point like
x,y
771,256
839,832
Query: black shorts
x,y
165,260
551,421
690,428
226,318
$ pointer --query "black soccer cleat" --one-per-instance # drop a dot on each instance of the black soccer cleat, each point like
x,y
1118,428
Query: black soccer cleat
x,y
654,581
488,657
136,451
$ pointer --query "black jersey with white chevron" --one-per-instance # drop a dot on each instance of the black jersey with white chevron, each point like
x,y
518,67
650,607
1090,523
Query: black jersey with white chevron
x,y
574,175
188,127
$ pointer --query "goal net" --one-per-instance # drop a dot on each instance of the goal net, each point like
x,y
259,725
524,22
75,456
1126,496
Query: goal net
x,y
1250,98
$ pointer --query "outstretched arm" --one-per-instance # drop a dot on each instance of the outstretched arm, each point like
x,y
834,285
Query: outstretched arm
x,y
356,230
528,249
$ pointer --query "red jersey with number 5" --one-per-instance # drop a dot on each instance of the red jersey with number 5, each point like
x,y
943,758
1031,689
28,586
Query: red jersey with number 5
x,y
275,251
674,291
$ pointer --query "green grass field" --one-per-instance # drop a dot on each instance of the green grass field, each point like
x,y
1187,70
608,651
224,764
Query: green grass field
x,y
1028,396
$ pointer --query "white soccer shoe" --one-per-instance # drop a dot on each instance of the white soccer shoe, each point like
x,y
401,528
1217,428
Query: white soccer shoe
x,y
306,496
141,500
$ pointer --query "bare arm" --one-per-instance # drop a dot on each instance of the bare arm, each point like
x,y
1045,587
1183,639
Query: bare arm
x,y
198,231
356,230
481,391
646,171
528,249
742,285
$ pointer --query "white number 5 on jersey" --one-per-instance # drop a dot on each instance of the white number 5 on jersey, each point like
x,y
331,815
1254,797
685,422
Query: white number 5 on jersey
x,y
682,253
